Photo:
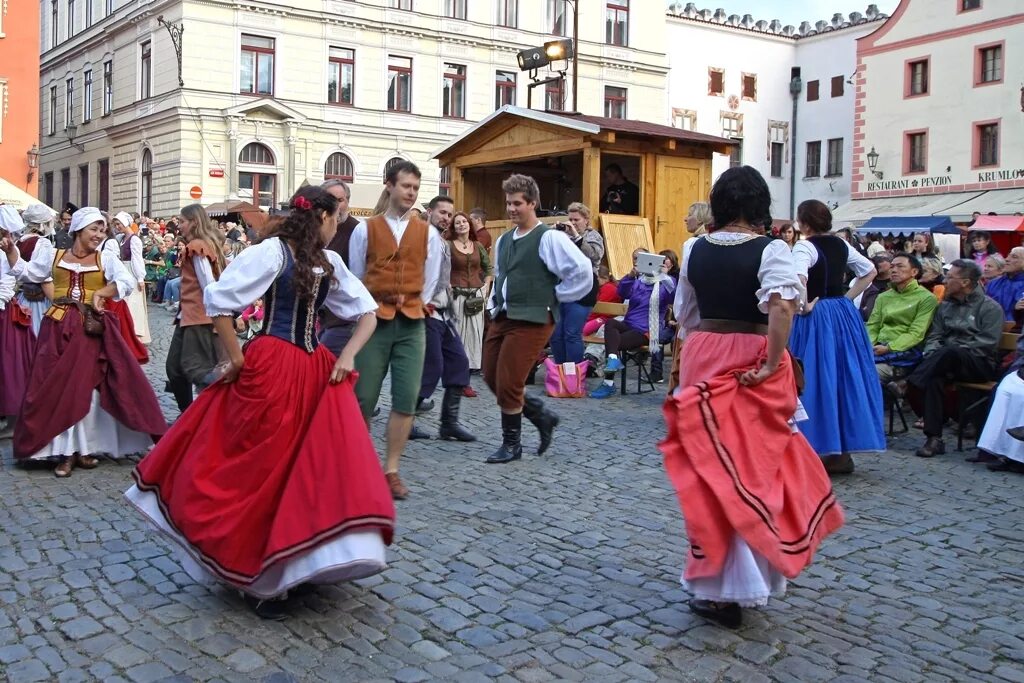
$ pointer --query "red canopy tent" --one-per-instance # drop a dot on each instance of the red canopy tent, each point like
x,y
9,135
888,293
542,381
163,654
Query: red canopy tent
x,y
1005,230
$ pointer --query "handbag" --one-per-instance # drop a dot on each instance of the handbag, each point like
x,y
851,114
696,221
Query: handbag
x,y
566,380
473,306
92,320
32,292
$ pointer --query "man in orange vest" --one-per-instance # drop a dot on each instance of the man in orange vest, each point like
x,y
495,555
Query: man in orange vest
x,y
398,257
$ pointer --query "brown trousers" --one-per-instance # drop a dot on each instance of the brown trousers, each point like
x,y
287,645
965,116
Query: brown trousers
x,y
510,351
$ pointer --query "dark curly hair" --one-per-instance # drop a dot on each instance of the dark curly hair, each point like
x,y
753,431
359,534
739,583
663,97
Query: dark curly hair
x,y
301,231
740,194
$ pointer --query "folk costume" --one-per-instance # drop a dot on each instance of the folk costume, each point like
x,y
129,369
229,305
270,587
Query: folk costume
x,y
756,500
272,481
335,332
194,351
126,322
131,256
86,394
17,338
469,273
842,396
534,271
37,252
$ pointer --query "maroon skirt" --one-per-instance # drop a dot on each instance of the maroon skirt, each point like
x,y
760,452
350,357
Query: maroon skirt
x,y
68,366
17,346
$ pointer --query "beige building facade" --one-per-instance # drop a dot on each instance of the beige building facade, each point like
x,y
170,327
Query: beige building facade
x,y
278,94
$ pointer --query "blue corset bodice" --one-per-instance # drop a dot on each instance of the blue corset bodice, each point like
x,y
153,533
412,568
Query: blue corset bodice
x,y
288,317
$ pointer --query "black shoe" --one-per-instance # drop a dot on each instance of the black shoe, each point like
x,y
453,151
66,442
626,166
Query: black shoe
x,y
933,445
416,433
982,456
1006,465
1016,432
511,440
451,430
543,419
727,614
424,405
271,610
838,464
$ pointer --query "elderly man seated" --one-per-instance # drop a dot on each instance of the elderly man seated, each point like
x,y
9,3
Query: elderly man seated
x,y
961,346
901,316
880,284
1000,442
1008,288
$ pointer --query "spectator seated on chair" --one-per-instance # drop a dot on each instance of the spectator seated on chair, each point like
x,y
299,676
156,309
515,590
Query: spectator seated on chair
x,y
607,293
901,317
648,300
999,444
961,346
880,284
1008,288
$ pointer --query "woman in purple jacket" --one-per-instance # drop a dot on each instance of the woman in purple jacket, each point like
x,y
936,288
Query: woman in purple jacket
x,y
649,297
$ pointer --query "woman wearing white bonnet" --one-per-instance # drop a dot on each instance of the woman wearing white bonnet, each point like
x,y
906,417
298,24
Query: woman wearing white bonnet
x,y
36,250
86,394
131,256
39,219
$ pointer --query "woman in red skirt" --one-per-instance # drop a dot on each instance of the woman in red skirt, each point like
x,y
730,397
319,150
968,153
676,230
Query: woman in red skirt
x,y
270,479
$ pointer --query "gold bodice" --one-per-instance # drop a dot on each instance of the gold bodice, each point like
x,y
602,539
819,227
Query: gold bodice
x,y
74,285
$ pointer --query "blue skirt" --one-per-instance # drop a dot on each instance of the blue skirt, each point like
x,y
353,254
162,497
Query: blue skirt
x,y
842,396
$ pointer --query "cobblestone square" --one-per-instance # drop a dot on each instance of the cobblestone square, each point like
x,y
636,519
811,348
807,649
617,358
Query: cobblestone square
x,y
561,567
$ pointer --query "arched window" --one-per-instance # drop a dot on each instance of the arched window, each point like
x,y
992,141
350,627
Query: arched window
x,y
146,185
392,162
338,167
255,153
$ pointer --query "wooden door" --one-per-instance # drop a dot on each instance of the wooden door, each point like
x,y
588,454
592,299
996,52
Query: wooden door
x,y
680,183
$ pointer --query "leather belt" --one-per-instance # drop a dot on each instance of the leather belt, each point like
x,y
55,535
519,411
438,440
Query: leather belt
x,y
732,327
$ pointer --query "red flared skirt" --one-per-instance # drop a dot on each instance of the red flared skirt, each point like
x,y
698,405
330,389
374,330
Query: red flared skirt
x,y
126,326
268,467
17,346
68,367
737,466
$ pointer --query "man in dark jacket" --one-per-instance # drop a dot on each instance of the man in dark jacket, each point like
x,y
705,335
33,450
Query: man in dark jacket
x,y
883,263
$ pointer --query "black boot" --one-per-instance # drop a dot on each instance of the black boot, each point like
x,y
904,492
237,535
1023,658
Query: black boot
x,y
511,440
416,433
543,419
451,430
657,364
424,406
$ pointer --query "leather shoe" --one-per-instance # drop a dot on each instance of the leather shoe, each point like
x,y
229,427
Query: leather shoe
x,y
416,433
727,614
838,464
469,392
505,454
398,489
933,446
511,440
543,419
1016,432
1006,465
424,405
982,456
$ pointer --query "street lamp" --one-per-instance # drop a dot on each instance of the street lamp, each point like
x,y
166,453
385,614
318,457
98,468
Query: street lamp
x,y
33,162
873,163
71,129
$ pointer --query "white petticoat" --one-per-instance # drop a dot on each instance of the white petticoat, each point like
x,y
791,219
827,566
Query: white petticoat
x,y
1007,412
140,316
348,557
98,433
746,579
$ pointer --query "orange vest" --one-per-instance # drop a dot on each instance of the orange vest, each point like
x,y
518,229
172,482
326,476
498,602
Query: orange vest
x,y
76,286
394,272
193,312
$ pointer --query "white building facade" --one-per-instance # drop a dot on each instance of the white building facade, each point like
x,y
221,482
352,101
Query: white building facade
x,y
732,76
940,112
279,94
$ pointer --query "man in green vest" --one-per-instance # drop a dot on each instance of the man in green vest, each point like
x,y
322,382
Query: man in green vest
x,y
535,269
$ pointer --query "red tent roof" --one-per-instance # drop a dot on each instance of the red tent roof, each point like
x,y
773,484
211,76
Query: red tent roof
x,y
999,223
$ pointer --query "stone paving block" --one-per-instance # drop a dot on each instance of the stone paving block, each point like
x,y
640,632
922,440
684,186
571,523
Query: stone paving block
x,y
81,627
148,673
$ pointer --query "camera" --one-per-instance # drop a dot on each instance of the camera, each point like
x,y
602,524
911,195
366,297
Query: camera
x,y
564,227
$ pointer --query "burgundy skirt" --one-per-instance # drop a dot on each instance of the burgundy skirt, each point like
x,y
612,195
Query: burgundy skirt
x,y
69,366
17,346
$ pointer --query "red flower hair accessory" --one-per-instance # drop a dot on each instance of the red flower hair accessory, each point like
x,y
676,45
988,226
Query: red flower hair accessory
x,y
302,204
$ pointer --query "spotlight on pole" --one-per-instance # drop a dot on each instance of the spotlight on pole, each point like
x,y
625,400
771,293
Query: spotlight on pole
x,y
532,58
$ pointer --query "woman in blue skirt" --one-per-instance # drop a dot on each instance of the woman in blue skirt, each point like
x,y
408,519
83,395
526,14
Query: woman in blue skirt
x,y
842,395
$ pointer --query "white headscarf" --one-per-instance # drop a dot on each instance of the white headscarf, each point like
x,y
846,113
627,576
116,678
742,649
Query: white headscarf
x,y
84,217
124,217
10,219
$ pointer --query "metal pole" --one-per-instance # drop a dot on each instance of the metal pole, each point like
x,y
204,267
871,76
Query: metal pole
x,y
575,54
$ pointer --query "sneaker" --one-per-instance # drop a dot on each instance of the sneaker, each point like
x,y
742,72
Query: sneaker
x,y
603,391
613,365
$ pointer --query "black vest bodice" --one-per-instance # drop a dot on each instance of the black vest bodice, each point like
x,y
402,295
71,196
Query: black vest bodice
x,y
826,279
725,279
288,317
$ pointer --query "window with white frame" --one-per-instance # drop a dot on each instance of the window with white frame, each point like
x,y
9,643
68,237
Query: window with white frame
x,y
69,102
615,101
778,144
146,184
341,75
508,13
145,70
455,9
71,18
835,157
732,124
54,25
399,83
338,167
257,66
52,126
685,119
108,87
87,96
558,17
453,102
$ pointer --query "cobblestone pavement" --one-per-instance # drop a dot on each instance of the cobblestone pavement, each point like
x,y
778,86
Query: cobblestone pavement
x,y
557,567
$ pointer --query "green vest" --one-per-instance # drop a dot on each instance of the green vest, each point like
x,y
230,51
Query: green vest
x,y
526,281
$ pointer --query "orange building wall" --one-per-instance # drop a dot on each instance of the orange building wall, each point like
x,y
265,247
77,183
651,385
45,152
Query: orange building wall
x,y
19,65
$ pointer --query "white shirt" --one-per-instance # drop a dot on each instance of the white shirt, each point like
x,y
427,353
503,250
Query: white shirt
x,y
254,270
435,251
805,254
560,256
113,272
39,267
777,275
137,265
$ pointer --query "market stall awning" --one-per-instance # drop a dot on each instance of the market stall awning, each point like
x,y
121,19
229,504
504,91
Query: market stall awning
x,y
950,204
252,215
15,196
906,225
999,223
1009,201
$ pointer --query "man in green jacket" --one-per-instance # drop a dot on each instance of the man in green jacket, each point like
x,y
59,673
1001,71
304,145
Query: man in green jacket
x,y
902,314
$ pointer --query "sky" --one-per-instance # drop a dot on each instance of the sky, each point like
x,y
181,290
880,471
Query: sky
x,y
795,11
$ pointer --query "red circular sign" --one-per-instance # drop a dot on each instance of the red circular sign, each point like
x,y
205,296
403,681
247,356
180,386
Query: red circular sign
x,y
196,192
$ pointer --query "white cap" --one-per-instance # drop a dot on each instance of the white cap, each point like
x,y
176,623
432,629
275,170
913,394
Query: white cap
x,y
85,216
124,217
38,214
10,219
